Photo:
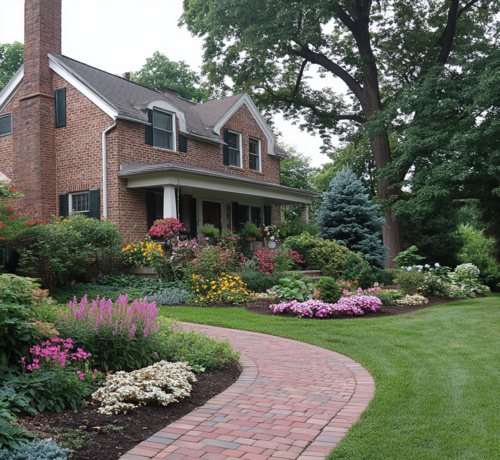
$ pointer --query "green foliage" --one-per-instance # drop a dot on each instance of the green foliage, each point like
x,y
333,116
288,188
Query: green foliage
x,y
196,349
210,231
356,269
19,298
347,216
159,72
410,279
250,230
320,254
257,281
12,436
434,235
293,288
11,59
73,439
330,291
55,390
36,450
63,249
478,250
297,226
212,262
14,401
408,258
386,277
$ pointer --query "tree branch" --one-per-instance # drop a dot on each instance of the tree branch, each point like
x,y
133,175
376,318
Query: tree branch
x,y
356,118
297,84
322,60
466,7
446,38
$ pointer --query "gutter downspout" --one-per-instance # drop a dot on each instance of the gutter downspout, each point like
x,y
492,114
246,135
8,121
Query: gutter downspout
x,y
105,172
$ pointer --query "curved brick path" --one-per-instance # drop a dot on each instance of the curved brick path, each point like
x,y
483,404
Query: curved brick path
x,y
292,401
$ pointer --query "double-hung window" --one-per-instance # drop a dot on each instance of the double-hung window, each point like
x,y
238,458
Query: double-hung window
x,y
80,203
6,125
254,151
163,131
234,148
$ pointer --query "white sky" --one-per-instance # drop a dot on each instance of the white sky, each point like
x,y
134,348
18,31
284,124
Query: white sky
x,y
118,35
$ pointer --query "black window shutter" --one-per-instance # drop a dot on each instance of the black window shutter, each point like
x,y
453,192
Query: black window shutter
x,y
150,208
63,205
95,204
149,129
60,107
236,216
183,143
192,218
267,215
226,147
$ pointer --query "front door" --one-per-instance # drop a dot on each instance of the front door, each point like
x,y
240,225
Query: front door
x,y
211,214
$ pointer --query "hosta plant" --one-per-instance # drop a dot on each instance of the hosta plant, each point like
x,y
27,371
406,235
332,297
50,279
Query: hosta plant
x,y
294,289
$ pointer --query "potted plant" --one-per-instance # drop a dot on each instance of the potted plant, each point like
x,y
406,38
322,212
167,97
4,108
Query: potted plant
x,y
250,232
210,233
271,235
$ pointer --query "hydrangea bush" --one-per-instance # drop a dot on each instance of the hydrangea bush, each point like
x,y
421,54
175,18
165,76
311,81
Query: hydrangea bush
x,y
162,383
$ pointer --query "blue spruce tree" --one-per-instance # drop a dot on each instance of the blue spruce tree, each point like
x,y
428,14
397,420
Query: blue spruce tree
x,y
348,216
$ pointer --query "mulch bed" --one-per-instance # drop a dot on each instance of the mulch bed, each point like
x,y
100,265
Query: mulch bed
x,y
110,436
262,308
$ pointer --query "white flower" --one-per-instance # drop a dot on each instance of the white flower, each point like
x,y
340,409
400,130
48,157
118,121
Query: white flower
x,y
419,267
437,265
409,269
427,266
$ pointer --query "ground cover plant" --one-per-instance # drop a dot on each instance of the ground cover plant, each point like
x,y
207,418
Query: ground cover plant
x,y
435,372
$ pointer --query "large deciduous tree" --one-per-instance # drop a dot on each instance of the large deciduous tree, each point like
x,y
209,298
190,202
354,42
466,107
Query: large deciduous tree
x,y
376,48
160,72
11,58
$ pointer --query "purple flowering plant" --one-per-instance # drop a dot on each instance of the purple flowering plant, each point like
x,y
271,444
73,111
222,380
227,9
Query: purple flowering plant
x,y
355,305
119,336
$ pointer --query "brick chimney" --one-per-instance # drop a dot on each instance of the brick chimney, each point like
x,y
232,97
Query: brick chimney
x,y
33,119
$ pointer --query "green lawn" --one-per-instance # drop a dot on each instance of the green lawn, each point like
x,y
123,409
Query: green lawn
x,y
437,375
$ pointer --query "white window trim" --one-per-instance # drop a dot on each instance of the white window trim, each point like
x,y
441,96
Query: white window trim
x,y
174,131
70,204
259,143
241,148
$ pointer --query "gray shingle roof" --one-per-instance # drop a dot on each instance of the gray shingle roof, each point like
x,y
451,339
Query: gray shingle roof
x,y
128,98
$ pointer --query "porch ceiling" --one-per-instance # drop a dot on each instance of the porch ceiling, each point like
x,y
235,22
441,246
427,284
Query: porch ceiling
x,y
212,184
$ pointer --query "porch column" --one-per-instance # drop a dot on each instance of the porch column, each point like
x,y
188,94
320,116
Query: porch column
x,y
169,202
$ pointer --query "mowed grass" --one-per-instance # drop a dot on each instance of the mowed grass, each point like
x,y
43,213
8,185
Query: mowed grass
x,y
437,375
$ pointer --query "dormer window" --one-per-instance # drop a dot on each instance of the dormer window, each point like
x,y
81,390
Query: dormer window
x,y
163,133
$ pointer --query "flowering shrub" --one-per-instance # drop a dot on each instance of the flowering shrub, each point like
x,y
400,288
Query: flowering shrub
x,y
119,336
270,232
415,299
228,288
356,305
162,383
278,261
167,228
212,262
141,254
465,272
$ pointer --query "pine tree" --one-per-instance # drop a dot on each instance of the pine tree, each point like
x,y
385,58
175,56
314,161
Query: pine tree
x,y
348,216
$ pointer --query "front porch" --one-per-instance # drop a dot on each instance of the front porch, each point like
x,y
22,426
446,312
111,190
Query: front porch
x,y
198,196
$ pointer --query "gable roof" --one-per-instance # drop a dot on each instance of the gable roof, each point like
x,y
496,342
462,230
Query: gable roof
x,y
125,99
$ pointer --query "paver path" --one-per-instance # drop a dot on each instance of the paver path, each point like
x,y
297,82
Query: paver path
x,y
292,401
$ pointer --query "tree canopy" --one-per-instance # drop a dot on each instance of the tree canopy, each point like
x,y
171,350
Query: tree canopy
x,y
11,58
159,72
377,49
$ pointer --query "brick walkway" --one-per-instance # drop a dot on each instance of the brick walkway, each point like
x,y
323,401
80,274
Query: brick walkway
x,y
292,401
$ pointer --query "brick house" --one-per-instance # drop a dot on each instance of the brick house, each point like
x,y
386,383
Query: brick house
x,y
76,139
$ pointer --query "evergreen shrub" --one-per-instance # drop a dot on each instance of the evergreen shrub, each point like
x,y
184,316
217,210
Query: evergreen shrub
x,y
330,291
36,450
349,217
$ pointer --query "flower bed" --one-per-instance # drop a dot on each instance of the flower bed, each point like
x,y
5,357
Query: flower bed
x,y
356,305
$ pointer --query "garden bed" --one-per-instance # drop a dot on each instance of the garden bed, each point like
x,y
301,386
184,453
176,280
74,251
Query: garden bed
x,y
262,308
103,436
